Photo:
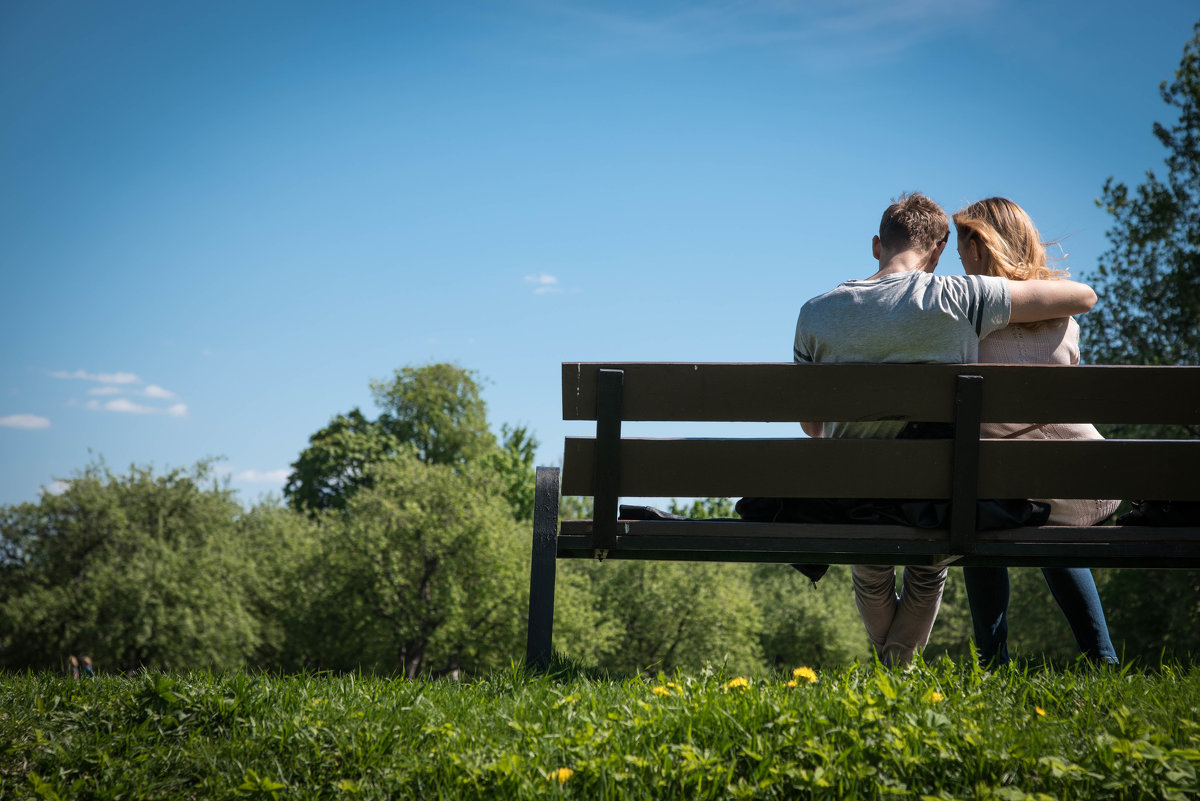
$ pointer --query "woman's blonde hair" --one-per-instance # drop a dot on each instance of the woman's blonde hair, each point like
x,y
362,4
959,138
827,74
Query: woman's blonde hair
x,y
1009,242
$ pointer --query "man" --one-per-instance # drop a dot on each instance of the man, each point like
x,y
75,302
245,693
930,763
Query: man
x,y
904,313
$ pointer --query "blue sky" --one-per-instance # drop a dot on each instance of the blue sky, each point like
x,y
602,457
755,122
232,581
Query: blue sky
x,y
220,220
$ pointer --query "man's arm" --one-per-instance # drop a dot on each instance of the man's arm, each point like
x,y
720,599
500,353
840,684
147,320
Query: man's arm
x,y
1048,299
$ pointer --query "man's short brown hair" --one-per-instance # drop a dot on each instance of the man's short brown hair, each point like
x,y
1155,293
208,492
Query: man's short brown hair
x,y
913,222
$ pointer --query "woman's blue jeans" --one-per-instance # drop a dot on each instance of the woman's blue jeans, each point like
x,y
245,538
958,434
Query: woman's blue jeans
x,y
1072,587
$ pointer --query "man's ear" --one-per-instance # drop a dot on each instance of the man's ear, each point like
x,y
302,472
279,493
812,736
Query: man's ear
x,y
876,247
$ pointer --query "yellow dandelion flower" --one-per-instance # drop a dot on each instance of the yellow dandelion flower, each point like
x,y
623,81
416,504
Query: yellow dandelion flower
x,y
935,696
1041,713
806,673
739,682
672,685
660,691
561,775
792,683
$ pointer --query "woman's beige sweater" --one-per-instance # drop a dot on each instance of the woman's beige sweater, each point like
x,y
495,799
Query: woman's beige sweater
x,y
1056,342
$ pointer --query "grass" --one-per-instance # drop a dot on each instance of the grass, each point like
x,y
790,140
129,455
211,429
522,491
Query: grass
x,y
937,731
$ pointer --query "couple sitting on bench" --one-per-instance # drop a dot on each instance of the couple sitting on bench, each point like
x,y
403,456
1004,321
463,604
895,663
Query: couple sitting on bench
x,y
1009,307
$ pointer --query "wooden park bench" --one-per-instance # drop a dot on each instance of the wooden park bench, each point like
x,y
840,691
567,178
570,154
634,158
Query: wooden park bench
x,y
960,469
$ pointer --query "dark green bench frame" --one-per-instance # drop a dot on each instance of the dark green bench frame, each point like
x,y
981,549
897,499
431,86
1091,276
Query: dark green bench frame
x,y
960,470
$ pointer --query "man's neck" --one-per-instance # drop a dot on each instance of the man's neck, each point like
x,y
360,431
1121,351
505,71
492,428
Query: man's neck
x,y
906,261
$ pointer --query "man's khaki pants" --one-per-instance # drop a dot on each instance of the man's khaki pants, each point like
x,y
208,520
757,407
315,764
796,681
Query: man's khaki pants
x,y
898,625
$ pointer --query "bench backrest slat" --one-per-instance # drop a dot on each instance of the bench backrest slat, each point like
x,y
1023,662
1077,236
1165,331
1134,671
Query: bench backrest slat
x,y
889,468
781,392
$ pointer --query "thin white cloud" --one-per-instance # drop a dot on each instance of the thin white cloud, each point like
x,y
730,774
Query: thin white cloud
x,y
56,487
103,378
266,477
821,31
155,391
543,283
149,391
27,421
125,406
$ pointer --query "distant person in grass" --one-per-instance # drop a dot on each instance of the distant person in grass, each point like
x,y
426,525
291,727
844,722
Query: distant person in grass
x,y
996,237
905,313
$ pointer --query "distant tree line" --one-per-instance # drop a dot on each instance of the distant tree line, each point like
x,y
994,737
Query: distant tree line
x,y
403,547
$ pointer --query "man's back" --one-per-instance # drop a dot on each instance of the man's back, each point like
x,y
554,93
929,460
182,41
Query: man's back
x,y
904,317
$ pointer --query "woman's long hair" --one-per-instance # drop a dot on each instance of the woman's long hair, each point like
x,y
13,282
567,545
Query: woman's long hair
x,y
1008,240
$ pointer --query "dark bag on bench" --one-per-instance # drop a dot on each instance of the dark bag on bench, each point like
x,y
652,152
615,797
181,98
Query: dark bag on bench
x,y
1162,513
989,515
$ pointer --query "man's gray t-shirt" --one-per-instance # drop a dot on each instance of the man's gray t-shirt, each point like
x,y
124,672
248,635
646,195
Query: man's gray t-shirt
x,y
903,317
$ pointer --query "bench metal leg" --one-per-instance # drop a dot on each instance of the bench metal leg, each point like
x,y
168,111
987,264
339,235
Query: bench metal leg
x,y
541,573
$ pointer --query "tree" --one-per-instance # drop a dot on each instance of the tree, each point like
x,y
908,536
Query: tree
x,y
817,626
424,572
669,615
135,570
1155,615
334,465
1149,286
512,463
436,413
703,508
1149,280
283,551
437,409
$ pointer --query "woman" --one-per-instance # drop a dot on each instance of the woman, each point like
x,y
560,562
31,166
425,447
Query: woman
x,y
996,237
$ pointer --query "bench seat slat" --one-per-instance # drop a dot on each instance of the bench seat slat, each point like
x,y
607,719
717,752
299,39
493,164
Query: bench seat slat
x,y
718,543
796,532
890,468
1096,546
1169,556
782,392
804,532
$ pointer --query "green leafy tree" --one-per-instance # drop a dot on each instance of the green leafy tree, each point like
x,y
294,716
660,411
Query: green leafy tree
x,y
632,616
435,412
283,551
584,629
334,465
1156,613
704,508
1149,280
134,570
817,626
424,572
1149,288
439,410
512,463
672,614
